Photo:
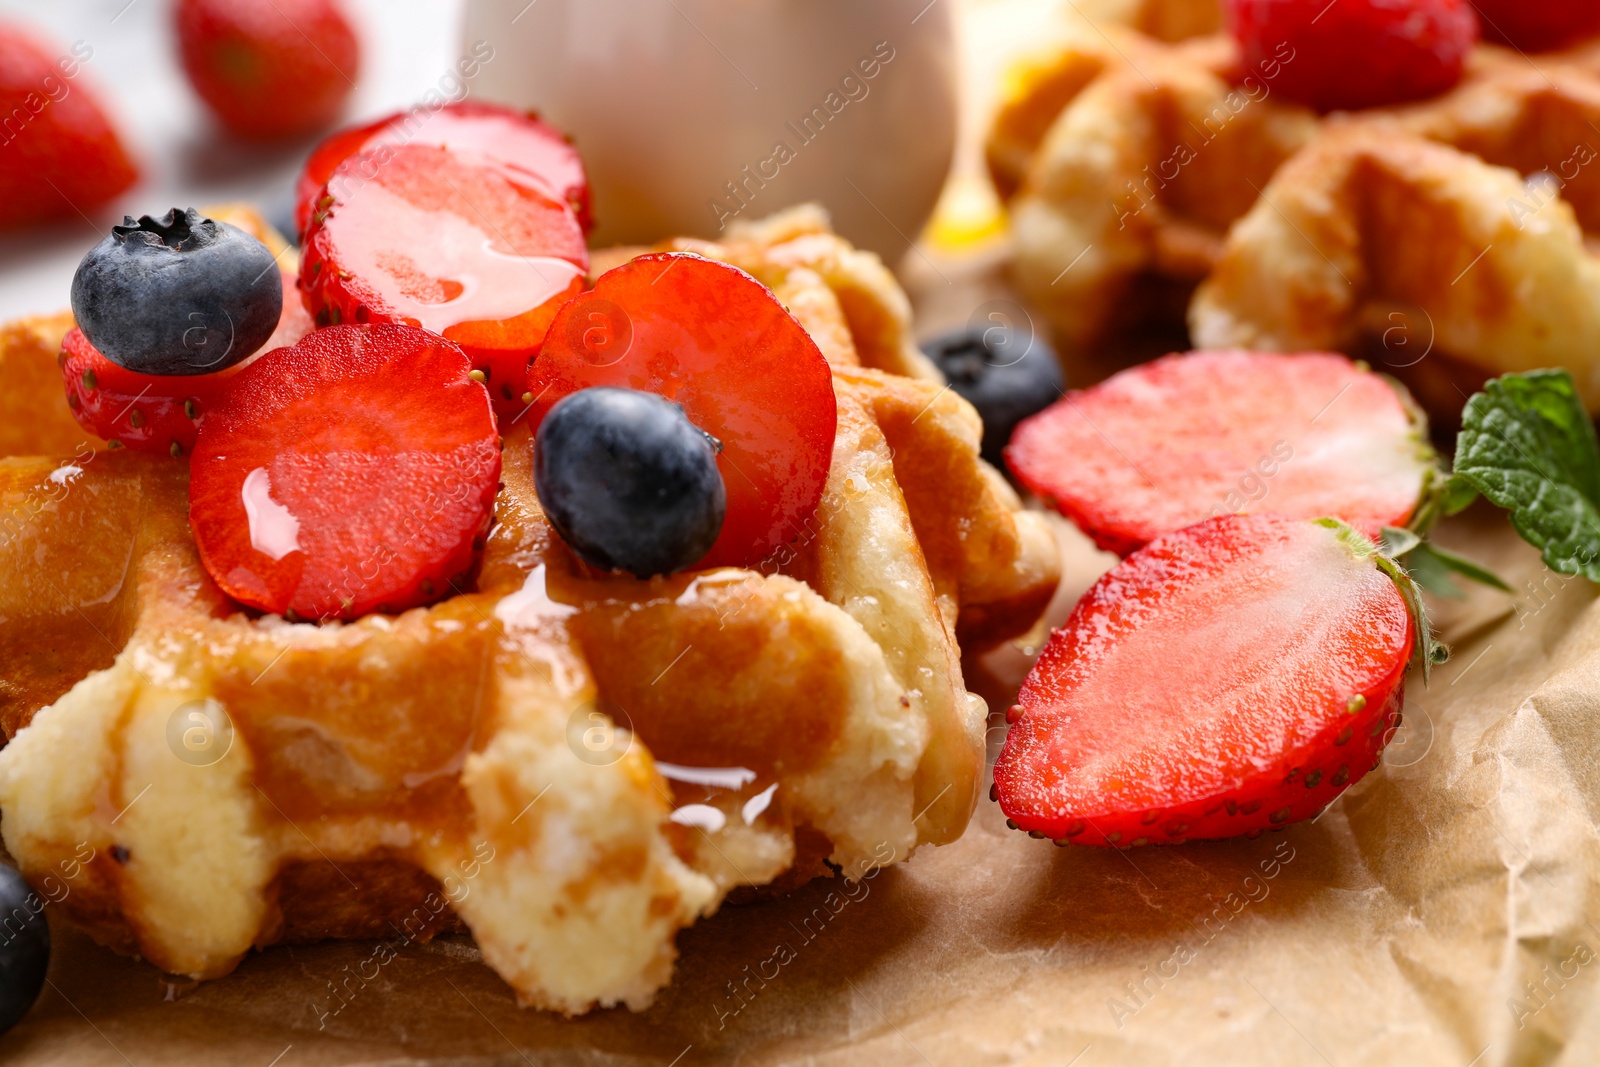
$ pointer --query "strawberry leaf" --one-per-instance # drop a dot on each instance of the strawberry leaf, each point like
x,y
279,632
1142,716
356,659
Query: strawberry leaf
x,y
1432,567
1426,570
1528,445
1429,558
1397,542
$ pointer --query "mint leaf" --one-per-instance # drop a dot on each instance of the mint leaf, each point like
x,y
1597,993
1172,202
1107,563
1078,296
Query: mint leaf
x,y
1527,444
1456,495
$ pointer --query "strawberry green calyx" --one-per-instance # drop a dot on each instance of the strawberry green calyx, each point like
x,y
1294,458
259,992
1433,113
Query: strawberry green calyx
x,y
1439,496
1443,494
1428,652
1434,568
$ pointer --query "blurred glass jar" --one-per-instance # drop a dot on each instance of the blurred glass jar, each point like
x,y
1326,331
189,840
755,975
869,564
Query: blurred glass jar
x,y
692,113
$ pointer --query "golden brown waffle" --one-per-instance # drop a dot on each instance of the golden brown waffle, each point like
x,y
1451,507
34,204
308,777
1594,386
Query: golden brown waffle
x,y
1119,214
572,768
28,351
1142,169
1165,20
1424,223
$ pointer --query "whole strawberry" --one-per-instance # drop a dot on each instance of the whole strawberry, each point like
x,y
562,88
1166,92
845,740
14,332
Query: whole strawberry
x,y
1354,53
269,68
59,155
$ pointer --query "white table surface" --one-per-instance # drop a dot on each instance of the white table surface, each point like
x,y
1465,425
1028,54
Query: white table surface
x,y
408,45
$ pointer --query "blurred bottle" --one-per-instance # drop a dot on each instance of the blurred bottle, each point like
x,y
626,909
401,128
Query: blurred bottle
x,y
693,113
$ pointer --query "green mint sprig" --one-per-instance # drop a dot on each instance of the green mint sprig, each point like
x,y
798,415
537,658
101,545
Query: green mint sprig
x,y
1528,445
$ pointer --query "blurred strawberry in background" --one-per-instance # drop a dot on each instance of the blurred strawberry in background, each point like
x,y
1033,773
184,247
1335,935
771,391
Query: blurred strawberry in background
x,y
59,154
1538,25
269,68
1349,54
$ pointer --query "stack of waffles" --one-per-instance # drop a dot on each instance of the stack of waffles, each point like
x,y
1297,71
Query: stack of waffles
x,y
571,768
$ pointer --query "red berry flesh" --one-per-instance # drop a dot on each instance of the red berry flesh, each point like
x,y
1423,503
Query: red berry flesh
x,y
157,412
142,412
717,343
351,473
1227,679
1353,54
451,241
59,155
269,68
1164,445
517,139
1538,25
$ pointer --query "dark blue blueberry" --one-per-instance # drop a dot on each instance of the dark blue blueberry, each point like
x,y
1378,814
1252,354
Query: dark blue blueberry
x,y
1006,373
24,947
181,294
628,481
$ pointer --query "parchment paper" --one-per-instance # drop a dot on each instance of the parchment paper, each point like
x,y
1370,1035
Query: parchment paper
x,y
1440,913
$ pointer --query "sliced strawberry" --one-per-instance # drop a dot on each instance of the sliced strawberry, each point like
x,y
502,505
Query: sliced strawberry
x,y
717,343
517,139
144,412
350,473
156,413
1164,445
450,241
1227,679
59,154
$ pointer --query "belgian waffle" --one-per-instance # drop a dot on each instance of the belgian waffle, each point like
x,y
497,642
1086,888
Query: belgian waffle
x,y
572,768
1142,171
1165,20
1423,222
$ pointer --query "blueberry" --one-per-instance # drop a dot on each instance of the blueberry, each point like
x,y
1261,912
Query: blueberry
x,y
1007,374
628,481
24,947
181,294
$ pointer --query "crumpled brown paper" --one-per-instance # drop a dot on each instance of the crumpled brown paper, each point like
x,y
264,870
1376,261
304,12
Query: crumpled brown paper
x,y
1441,912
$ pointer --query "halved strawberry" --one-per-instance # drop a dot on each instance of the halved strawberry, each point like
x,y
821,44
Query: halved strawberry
x,y
451,241
1226,679
517,139
1166,444
59,154
717,343
144,412
351,473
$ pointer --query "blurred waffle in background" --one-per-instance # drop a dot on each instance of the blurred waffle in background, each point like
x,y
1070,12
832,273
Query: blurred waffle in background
x,y
1161,197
